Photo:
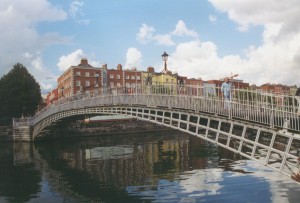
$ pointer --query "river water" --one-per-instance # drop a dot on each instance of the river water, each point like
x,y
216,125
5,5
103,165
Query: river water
x,y
164,166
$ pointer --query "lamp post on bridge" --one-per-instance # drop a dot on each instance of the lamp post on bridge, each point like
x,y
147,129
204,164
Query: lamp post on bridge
x,y
165,58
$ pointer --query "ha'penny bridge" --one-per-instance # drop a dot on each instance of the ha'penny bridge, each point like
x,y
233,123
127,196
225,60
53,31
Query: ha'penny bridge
x,y
261,126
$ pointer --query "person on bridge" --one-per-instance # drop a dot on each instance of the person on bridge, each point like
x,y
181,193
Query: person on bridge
x,y
226,91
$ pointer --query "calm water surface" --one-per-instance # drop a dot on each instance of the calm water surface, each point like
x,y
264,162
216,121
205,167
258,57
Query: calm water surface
x,y
144,167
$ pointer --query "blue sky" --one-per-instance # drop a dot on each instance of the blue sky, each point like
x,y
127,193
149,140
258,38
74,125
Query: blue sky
x,y
208,39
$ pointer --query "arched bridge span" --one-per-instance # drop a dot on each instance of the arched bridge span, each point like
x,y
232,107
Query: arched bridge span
x,y
267,135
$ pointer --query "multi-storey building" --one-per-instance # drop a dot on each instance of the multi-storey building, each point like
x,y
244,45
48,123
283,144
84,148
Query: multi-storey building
x,y
193,81
275,88
81,78
132,78
119,77
163,77
52,97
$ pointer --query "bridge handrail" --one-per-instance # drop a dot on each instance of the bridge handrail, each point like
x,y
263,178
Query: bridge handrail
x,y
254,105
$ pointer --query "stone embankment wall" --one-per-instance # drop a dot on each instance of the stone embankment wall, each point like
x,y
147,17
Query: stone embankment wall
x,y
92,129
6,133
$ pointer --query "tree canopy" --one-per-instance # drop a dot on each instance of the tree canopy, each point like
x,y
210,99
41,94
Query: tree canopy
x,y
20,94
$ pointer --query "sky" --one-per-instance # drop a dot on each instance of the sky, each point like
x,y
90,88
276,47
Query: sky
x,y
208,39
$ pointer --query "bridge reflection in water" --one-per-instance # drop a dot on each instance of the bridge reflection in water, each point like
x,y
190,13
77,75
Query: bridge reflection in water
x,y
157,167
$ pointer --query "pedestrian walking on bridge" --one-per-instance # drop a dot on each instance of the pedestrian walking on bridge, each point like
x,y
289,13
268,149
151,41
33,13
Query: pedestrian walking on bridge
x,y
226,91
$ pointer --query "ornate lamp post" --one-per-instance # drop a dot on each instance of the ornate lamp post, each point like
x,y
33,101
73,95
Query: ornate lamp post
x,y
165,58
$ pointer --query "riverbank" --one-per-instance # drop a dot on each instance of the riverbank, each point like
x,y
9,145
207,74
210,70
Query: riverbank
x,y
67,129
78,130
6,133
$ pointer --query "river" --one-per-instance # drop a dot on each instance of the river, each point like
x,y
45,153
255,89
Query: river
x,y
164,166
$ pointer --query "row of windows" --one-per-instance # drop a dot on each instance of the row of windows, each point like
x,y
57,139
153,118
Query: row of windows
x,y
87,74
111,76
118,76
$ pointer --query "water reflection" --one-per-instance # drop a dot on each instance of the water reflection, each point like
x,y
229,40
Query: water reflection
x,y
150,167
19,180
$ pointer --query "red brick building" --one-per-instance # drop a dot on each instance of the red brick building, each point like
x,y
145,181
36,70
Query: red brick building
x,y
275,88
52,97
193,81
119,77
81,78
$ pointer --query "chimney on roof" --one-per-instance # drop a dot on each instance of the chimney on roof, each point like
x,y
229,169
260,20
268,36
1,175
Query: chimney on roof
x,y
104,66
119,67
84,61
150,69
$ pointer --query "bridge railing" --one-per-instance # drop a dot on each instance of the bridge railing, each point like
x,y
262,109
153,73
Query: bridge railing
x,y
276,110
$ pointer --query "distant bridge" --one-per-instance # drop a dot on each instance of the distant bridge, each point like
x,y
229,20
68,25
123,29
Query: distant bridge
x,y
261,126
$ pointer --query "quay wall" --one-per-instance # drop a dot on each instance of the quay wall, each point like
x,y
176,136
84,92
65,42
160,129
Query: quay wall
x,y
99,128
6,133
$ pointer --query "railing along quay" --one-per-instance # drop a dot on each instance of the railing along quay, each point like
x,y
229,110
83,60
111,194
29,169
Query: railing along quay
x,y
275,110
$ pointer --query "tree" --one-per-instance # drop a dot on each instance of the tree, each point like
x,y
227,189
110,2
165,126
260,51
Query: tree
x,y
20,94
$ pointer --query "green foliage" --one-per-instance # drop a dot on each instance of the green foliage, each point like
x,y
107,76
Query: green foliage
x,y
20,94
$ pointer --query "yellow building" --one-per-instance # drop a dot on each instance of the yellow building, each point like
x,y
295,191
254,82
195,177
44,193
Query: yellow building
x,y
164,77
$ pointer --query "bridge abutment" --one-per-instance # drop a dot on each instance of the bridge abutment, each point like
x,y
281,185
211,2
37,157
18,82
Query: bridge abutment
x,y
22,130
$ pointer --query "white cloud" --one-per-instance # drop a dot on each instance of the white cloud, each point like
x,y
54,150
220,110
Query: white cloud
x,y
276,60
212,18
73,59
46,87
77,13
252,12
181,30
20,40
164,40
133,58
145,34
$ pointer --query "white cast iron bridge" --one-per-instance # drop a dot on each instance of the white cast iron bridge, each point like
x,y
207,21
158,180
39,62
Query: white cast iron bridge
x,y
261,126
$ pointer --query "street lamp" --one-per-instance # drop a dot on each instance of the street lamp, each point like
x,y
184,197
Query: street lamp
x,y
165,58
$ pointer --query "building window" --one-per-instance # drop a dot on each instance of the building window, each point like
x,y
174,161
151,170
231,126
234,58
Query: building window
x,y
111,76
127,77
78,73
111,84
138,77
87,74
87,83
78,83
118,84
118,76
132,77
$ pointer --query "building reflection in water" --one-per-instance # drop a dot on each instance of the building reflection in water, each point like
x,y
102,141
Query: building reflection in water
x,y
139,159
168,166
